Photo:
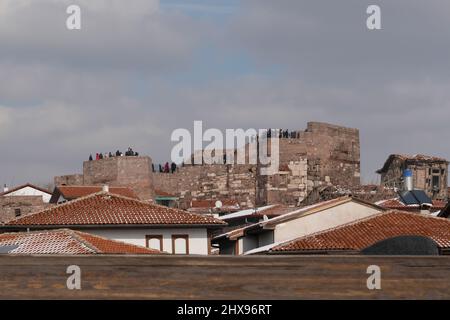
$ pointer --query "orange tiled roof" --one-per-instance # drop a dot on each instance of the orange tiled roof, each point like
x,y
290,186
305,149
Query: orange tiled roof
x,y
366,232
65,241
161,193
397,204
110,209
75,192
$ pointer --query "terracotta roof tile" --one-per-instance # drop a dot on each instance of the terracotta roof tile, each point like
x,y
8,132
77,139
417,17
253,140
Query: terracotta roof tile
x,y
397,204
68,242
109,209
75,192
366,232
161,193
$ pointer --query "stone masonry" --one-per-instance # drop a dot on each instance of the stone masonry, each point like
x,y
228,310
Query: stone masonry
x,y
132,172
429,174
321,155
12,207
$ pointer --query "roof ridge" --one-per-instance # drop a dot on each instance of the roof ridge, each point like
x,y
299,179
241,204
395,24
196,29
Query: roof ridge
x,y
338,200
201,218
357,222
74,234
63,231
334,202
61,205
81,234
24,186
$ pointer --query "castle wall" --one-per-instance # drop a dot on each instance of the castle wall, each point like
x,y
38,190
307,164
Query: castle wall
x,y
323,154
132,172
69,180
206,182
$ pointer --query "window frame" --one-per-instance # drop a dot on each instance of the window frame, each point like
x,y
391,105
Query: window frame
x,y
149,237
180,236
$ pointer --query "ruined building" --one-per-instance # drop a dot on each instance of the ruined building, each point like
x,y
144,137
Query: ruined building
x,y
323,154
429,174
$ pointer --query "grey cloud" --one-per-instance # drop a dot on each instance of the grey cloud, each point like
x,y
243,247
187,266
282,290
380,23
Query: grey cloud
x,y
116,85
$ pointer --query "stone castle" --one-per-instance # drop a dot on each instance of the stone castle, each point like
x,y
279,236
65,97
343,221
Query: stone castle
x,y
323,154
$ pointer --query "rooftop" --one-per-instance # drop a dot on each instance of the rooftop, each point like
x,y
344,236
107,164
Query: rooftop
x,y
294,214
269,211
75,192
107,209
66,242
363,233
397,204
24,186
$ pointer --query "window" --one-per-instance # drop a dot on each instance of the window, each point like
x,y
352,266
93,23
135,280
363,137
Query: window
x,y
17,212
154,241
180,244
436,183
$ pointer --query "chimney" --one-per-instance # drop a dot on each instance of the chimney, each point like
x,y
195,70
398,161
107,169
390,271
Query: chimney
x,y
5,188
408,180
105,188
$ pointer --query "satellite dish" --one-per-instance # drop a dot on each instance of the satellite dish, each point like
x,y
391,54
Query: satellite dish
x,y
218,204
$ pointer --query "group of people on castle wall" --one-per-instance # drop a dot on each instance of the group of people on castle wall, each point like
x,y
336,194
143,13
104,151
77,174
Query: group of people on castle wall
x,y
167,168
100,156
283,134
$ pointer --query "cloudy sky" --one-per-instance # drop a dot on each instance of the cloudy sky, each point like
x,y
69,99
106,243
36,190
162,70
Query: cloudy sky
x,y
139,69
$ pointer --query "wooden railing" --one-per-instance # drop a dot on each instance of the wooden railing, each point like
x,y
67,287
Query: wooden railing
x,y
221,277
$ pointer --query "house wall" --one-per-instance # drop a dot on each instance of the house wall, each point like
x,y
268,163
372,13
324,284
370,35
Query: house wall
x,y
26,205
250,242
29,191
198,237
323,220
